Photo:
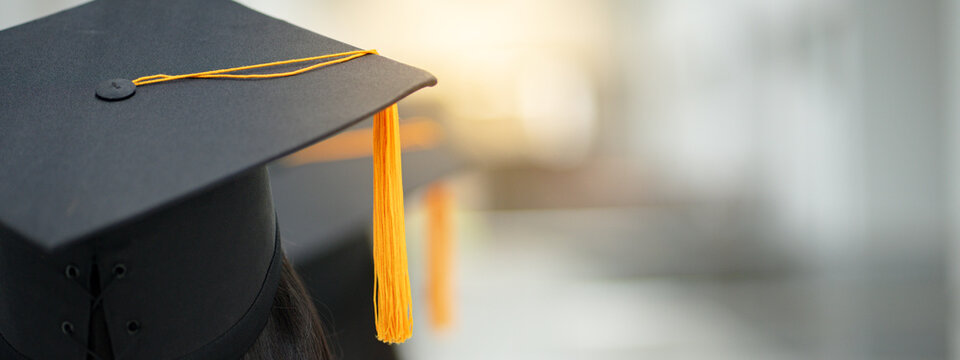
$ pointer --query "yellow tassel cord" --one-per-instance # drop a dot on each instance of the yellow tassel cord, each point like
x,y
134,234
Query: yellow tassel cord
x,y
223,73
439,255
391,298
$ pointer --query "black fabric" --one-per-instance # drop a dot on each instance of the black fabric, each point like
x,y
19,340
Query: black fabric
x,y
7,352
73,165
236,341
37,297
197,279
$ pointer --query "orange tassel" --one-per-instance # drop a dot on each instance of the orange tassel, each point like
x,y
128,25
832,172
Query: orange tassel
x,y
439,255
391,298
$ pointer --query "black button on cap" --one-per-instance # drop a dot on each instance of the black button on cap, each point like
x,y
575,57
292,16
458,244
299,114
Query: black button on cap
x,y
116,89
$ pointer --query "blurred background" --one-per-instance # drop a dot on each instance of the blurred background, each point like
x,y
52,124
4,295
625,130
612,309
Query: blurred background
x,y
681,179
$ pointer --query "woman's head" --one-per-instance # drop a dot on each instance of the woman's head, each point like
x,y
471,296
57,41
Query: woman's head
x,y
293,330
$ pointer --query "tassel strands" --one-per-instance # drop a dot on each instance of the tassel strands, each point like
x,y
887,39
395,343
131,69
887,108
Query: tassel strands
x,y
391,299
439,255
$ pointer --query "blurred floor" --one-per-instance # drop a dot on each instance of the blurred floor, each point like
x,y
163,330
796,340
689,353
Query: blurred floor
x,y
526,293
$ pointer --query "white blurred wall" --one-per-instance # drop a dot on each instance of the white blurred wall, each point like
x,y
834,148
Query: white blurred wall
x,y
829,118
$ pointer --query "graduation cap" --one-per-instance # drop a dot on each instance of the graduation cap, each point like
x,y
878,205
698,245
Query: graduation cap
x,y
139,215
323,205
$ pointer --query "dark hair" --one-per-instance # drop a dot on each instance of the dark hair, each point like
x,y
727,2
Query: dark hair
x,y
293,331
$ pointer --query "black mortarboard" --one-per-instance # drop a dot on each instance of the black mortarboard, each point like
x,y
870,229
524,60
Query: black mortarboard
x,y
324,212
154,214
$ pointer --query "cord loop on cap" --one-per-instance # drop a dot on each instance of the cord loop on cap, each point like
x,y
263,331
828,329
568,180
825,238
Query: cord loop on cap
x,y
71,271
66,327
119,271
223,73
133,326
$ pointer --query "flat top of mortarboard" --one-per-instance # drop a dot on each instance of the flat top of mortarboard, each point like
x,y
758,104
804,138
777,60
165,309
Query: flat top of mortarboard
x,y
72,165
